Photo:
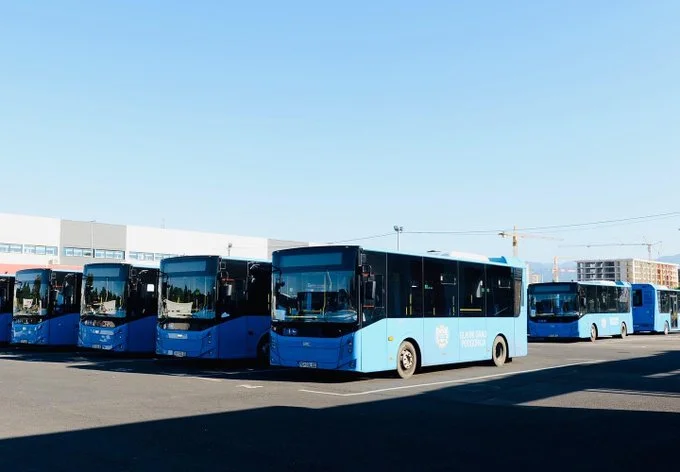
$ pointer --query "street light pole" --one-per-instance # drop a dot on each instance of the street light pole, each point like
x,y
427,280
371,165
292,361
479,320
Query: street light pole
x,y
398,229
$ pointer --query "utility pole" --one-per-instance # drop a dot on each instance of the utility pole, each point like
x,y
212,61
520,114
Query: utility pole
x,y
398,229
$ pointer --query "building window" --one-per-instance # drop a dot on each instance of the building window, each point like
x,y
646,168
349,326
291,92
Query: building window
x,y
29,249
4,247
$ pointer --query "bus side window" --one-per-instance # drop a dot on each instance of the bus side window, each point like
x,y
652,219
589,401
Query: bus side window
x,y
373,289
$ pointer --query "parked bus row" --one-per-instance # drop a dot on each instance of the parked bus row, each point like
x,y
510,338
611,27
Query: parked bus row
x,y
329,307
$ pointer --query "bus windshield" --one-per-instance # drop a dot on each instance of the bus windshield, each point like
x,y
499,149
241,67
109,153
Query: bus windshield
x,y
105,291
188,289
553,300
31,293
316,296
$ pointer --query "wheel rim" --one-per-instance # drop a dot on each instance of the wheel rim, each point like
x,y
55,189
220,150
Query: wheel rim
x,y
406,359
593,332
665,329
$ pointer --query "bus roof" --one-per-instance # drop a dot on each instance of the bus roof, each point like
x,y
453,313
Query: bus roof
x,y
449,256
228,258
604,283
56,271
656,286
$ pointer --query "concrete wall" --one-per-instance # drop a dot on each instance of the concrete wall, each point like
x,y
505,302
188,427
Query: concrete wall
x,y
90,235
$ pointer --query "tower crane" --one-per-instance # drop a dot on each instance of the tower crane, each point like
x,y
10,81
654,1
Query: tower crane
x,y
517,236
649,246
556,269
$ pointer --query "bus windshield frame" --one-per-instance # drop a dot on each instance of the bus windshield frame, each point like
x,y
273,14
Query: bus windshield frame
x,y
31,294
554,301
316,286
188,288
105,291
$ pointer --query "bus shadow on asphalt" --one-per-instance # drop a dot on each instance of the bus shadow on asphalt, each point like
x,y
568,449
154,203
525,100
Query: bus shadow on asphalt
x,y
448,428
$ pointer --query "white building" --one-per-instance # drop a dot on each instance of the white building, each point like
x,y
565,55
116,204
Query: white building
x,y
629,270
31,241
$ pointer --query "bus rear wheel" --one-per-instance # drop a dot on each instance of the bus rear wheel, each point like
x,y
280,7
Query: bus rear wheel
x,y
263,352
593,333
407,360
499,351
666,328
624,331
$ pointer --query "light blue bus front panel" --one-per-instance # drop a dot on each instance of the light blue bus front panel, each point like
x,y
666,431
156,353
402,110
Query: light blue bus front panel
x,y
339,353
234,339
59,331
5,327
608,324
135,336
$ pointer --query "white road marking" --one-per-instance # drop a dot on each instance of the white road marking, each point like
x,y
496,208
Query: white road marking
x,y
250,386
446,382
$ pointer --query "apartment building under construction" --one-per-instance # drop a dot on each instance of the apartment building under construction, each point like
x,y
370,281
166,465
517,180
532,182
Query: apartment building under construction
x,y
629,270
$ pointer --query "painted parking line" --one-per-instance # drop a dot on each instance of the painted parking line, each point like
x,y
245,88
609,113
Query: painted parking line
x,y
448,382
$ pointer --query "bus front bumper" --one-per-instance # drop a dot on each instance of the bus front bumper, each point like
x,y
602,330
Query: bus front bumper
x,y
194,344
314,353
106,339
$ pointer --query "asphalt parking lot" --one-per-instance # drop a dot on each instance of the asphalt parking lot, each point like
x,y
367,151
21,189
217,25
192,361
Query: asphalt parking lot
x,y
613,404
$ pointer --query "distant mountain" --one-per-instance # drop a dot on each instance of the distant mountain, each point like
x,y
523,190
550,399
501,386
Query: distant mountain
x,y
545,270
672,259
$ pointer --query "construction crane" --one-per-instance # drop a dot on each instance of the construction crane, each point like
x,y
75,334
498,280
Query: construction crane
x,y
517,236
649,246
556,269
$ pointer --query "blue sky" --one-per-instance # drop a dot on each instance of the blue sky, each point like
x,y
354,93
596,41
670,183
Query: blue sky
x,y
328,121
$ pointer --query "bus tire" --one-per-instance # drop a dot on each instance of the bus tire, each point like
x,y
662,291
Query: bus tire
x,y
499,351
624,331
666,328
407,360
263,351
593,333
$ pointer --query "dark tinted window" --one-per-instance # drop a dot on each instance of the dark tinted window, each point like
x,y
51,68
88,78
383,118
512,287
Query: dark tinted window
x,y
231,289
471,289
373,288
518,294
405,286
623,299
259,284
637,297
6,294
500,296
65,292
440,288
143,293
664,301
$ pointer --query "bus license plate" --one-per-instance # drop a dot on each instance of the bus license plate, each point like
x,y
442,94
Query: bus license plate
x,y
24,341
307,364
179,353
96,346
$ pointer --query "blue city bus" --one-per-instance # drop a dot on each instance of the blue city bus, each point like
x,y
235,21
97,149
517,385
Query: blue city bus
x,y
215,308
655,308
350,309
46,307
585,310
6,303
119,308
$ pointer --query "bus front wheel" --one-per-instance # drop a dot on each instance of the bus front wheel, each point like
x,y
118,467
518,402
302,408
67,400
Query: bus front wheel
x,y
666,328
407,360
499,351
624,331
593,333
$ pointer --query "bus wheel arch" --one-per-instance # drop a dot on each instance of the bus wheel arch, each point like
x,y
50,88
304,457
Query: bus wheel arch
x,y
499,350
408,358
263,346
